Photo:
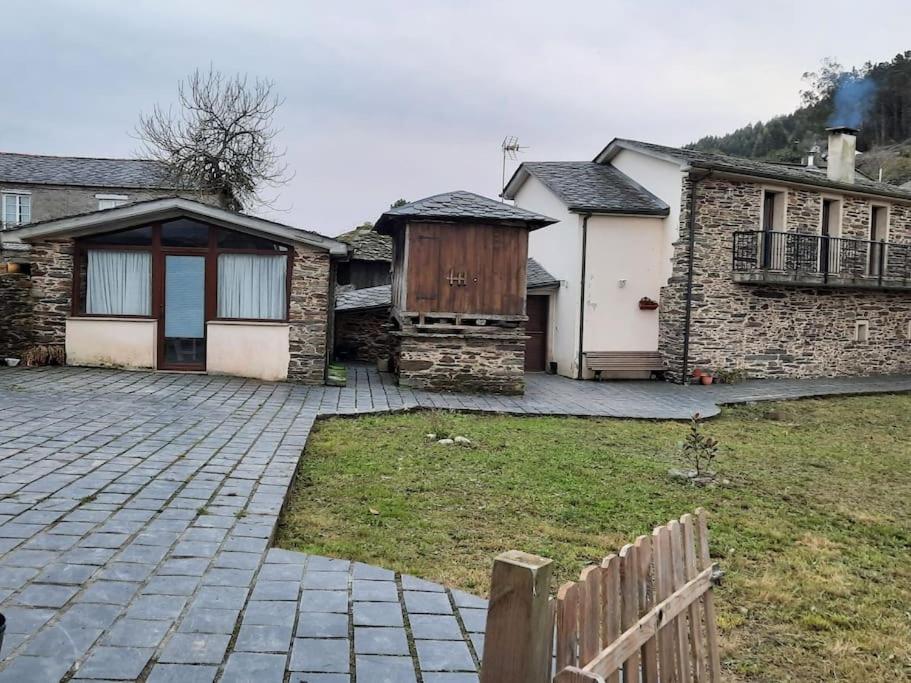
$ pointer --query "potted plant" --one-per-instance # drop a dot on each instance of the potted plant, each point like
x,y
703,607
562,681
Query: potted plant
x,y
706,378
647,304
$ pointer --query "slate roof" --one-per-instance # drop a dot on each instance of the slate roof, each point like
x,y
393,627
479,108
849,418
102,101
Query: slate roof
x,y
538,277
370,297
751,167
461,205
585,186
84,172
367,244
381,296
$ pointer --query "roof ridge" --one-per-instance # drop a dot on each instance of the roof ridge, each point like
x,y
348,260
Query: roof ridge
x,y
79,158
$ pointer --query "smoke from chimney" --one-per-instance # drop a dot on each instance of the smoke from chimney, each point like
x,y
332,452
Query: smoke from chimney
x,y
852,101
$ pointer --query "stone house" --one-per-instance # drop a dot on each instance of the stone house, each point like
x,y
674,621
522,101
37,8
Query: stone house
x,y
675,259
162,279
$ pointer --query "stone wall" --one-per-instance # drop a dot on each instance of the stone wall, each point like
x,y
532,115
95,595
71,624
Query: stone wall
x,y
15,314
362,335
491,362
52,289
778,331
309,315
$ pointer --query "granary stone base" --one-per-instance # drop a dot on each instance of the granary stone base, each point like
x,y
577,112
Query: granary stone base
x,y
489,363
362,335
308,315
15,314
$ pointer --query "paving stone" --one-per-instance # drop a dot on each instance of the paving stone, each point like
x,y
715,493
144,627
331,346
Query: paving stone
x,y
449,677
316,563
137,633
371,573
475,620
412,583
171,585
206,620
114,663
463,599
23,669
231,560
380,641
16,577
322,625
377,614
195,648
269,613
320,655
323,601
325,581
427,603
25,619
374,591
59,641
72,574
275,590
444,655
80,616
280,572
264,638
110,592
45,595
435,627
183,673
245,667
155,608
125,571
221,597
230,577
319,678
383,669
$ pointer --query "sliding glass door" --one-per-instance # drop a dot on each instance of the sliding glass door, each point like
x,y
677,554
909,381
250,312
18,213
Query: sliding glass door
x,y
183,330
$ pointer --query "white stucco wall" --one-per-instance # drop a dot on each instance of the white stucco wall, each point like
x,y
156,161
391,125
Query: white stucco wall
x,y
111,342
663,179
558,248
248,349
624,265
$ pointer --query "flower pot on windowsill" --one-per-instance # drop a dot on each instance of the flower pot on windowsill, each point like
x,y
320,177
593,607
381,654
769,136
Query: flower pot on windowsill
x,y
706,379
646,304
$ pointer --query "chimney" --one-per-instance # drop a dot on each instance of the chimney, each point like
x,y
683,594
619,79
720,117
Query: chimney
x,y
812,156
842,149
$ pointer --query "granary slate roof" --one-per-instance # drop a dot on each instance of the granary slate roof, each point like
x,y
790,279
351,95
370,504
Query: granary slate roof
x,y
751,167
367,244
585,186
461,205
381,296
84,172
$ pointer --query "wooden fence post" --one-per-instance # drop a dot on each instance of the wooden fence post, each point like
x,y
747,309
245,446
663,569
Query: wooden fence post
x,y
519,634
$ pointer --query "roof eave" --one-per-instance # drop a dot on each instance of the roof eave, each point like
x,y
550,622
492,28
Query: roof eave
x,y
515,183
125,216
600,211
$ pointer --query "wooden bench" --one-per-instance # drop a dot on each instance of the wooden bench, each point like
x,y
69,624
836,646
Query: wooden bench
x,y
624,361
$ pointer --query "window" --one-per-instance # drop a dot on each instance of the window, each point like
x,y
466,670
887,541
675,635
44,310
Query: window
x,y
879,233
830,227
118,282
17,208
861,331
109,201
252,286
773,223
184,233
139,237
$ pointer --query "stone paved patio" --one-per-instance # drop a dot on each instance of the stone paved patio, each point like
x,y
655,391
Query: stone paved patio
x,y
136,510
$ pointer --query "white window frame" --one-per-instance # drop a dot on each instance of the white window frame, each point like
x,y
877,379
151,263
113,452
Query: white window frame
x,y
873,265
834,253
110,201
5,196
862,331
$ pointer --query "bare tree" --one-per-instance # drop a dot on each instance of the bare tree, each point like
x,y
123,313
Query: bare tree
x,y
221,137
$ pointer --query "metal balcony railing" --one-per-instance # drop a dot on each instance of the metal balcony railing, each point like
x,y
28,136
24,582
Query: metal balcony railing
x,y
769,256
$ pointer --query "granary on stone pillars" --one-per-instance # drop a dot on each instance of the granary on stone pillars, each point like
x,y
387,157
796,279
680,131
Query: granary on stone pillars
x,y
458,292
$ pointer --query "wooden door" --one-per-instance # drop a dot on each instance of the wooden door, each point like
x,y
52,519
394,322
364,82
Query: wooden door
x,y
537,308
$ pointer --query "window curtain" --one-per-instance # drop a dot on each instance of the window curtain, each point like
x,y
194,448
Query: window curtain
x,y
251,286
118,282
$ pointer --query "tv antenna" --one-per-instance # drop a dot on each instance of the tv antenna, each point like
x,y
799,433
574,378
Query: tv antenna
x,y
511,149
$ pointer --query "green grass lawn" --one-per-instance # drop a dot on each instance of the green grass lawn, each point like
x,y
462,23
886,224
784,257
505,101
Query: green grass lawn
x,y
813,532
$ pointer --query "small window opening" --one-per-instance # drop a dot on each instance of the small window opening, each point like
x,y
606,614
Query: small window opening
x,y
861,331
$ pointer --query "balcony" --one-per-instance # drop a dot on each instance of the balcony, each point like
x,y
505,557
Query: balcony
x,y
790,258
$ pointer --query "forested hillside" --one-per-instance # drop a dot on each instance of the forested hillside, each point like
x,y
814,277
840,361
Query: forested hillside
x,y
875,98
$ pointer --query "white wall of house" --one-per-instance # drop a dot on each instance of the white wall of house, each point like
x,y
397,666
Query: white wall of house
x,y
624,264
664,179
111,342
248,349
558,249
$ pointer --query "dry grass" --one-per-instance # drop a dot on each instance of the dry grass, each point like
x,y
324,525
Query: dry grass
x,y
814,533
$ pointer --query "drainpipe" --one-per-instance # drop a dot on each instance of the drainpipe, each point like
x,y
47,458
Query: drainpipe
x,y
585,218
691,258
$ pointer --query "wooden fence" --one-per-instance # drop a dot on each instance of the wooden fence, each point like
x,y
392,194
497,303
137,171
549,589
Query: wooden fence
x,y
646,614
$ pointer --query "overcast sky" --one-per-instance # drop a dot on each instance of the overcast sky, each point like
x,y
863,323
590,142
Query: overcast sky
x,y
408,99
